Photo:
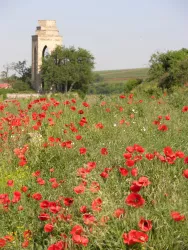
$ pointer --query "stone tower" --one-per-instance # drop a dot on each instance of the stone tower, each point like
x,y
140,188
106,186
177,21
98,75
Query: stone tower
x,y
46,38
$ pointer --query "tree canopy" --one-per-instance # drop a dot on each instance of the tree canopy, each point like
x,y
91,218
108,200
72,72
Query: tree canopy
x,y
67,68
22,70
170,68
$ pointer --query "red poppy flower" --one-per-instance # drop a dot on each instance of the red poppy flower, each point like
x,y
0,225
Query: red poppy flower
x,y
52,179
27,234
163,127
40,181
104,219
96,204
80,112
89,219
179,154
150,156
107,110
185,173
79,189
55,209
123,171
130,149
135,186
176,216
24,189
55,185
186,160
83,209
44,217
95,187
85,104
25,243
16,197
134,237
104,175
36,174
68,201
91,165
20,208
135,200
2,242
78,137
119,212
168,151
145,225
60,245
77,229
37,196
99,125
134,172
127,155
130,163
44,204
138,148
8,238
144,181
83,151
73,108
185,109
10,183
104,151
80,240
48,228
167,117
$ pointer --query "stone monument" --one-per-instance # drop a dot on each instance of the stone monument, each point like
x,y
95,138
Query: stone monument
x,y
46,38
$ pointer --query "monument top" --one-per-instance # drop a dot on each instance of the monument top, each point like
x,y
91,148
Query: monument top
x,y
47,23
47,28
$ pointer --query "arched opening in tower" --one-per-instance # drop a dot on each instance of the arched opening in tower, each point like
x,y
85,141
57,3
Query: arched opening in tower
x,y
45,51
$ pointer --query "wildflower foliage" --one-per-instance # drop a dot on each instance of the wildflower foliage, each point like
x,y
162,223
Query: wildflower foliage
x,y
106,173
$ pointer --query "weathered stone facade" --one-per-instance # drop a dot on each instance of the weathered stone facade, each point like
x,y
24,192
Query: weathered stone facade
x,y
46,37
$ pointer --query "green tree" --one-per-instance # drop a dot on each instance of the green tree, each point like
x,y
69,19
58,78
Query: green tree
x,y
22,70
5,73
169,68
67,69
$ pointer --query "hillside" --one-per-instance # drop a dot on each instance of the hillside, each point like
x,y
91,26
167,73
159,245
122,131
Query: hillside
x,y
123,74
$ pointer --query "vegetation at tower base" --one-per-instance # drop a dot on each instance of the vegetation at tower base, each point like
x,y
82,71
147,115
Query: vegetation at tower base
x,y
67,69
20,80
170,68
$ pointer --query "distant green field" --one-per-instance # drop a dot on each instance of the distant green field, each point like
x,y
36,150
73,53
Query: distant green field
x,y
123,74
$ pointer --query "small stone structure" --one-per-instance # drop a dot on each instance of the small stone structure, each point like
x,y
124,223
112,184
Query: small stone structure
x,y
46,38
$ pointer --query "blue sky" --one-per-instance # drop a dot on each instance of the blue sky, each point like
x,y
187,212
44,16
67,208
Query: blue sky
x,y
120,34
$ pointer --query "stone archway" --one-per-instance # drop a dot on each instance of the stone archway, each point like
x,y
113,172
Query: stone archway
x,y
45,40
45,51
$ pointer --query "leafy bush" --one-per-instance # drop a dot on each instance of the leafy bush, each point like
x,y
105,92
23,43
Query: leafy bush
x,y
169,68
106,88
148,89
131,84
21,86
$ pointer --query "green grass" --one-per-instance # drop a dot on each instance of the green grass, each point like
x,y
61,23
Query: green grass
x,y
123,74
166,193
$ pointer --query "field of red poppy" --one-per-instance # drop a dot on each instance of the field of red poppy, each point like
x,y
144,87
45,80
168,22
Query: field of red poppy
x,y
109,173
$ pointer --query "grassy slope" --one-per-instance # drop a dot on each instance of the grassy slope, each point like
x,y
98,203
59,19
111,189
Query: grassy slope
x,y
123,74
